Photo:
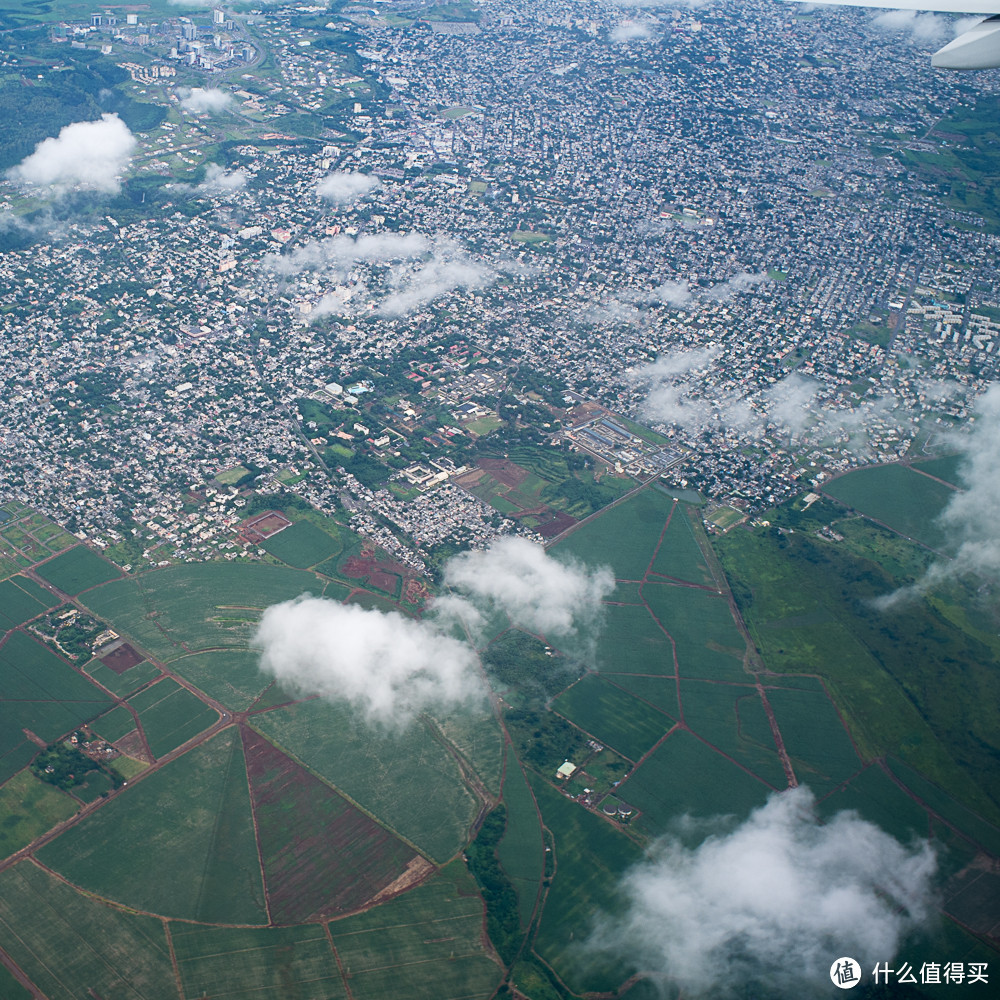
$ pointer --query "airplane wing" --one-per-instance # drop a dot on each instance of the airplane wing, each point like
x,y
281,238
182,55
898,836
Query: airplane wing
x,y
978,48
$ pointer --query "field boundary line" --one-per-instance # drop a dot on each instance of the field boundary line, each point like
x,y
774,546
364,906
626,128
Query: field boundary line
x,y
173,958
340,965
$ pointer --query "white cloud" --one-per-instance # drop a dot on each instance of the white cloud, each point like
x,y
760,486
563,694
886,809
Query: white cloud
x,y
345,188
630,31
972,516
391,668
200,100
775,900
218,180
920,27
388,667
741,282
670,398
420,286
788,403
340,252
675,294
537,591
90,155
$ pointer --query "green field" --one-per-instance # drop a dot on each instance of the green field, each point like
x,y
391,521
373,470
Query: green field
x,y
590,858
708,644
880,800
806,603
77,570
113,725
897,497
406,779
479,740
679,555
623,537
612,716
29,807
124,684
71,945
171,715
293,963
630,641
193,817
230,676
41,693
302,545
521,851
948,468
816,741
22,599
684,775
424,945
202,605
731,718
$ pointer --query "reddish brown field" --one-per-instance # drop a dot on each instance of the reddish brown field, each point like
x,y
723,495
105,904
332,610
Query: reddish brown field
x,y
559,523
382,575
122,658
321,856
256,529
504,471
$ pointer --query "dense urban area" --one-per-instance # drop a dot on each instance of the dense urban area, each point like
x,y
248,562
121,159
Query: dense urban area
x,y
492,223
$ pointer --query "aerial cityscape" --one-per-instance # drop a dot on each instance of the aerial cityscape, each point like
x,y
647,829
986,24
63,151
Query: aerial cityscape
x,y
497,498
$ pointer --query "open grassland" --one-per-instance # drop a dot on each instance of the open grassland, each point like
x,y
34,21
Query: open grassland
x,y
406,779
29,807
424,945
77,570
612,716
72,946
898,497
708,643
320,854
303,545
630,641
181,609
22,599
230,676
679,555
624,537
290,963
590,857
732,719
522,849
40,692
918,680
178,843
171,715
684,775
122,685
